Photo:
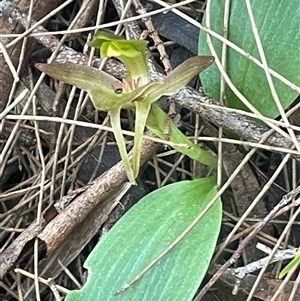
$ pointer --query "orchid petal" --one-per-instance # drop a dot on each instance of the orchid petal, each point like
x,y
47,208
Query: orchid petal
x,y
84,77
142,111
116,125
181,75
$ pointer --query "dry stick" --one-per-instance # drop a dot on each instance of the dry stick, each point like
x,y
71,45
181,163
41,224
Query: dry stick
x,y
92,125
292,197
231,119
260,146
275,248
54,289
42,280
43,172
154,35
40,202
222,92
295,288
251,267
287,278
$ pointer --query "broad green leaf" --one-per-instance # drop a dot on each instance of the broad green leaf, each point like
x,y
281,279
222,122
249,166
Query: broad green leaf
x,y
156,122
278,26
143,233
295,261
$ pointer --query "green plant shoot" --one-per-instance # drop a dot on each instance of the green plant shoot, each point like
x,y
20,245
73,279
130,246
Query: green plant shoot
x,y
134,92
295,261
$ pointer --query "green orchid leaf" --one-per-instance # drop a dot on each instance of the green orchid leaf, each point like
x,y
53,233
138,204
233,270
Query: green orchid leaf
x,y
143,233
276,22
181,75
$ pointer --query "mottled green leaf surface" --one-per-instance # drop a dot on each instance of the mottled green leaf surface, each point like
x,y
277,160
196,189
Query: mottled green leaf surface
x,y
143,233
278,25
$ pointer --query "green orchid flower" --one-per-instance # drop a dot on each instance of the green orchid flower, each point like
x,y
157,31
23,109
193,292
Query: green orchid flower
x,y
135,92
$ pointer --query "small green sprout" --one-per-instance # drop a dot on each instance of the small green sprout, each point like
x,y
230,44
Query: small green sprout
x,y
135,92
294,262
